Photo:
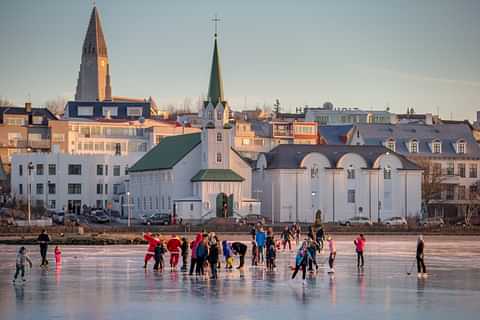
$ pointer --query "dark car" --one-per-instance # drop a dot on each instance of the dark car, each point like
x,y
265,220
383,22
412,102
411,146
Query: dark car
x,y
100,217
158,219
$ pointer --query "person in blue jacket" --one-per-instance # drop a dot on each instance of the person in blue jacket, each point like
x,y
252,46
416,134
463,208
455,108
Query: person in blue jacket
x,y
260,238
202,253
301,261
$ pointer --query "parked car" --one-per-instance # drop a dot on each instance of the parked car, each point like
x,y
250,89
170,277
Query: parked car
x,y
71,219
460,221
395,221
100,217
58,217
158,219
356,221
432,222
252,219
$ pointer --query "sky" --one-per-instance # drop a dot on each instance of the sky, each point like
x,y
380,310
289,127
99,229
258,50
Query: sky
x,y
370,54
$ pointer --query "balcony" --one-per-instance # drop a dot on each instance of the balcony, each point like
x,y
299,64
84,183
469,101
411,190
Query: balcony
x,y
34,144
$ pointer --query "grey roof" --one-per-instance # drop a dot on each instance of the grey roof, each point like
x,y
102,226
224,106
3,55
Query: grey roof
x,y
261,128
334,134
289,156
447,133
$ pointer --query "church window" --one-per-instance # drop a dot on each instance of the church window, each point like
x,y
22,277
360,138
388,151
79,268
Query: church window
x,y
191,206
219,157
219,115
210,115
219,137
350,173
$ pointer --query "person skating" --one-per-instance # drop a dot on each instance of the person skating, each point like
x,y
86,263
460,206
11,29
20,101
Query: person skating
x,y
240,249
297,233
58,255
333,253
320,235
152,244
202,253
158,256
212,258
311,233
43,239
301,261
21,259
312,251
254,253
184,250
193,260
421,269
227,254
286,238
359,248
260,238
270,247
173,246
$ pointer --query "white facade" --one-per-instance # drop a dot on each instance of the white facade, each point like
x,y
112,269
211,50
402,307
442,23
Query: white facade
x,y
62,181
350,187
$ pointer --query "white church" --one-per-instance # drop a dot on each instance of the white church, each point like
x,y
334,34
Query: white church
x,y
196,176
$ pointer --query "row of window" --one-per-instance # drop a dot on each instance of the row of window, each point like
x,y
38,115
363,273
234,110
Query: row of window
x,y
436,147
87,111
387,172
450,170
73,169
72,188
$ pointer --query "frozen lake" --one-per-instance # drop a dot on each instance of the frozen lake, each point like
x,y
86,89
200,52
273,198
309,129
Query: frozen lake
x,y
108,282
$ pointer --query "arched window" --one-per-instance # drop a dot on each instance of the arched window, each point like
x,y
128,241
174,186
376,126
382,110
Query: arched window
x,y
210,115
413,146
436,146
391,144
219,115
461,147
350,172
314,171
219,137
219,157
387,173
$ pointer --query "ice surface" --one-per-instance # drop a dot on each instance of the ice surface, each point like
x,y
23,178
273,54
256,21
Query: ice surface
x,y
108,282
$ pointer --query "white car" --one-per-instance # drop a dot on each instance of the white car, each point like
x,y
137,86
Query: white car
x,y
356,221
395,221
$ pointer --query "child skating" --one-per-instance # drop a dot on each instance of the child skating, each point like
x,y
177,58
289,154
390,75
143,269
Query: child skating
x,y
21,259
58,255
158,256
301,261
184,250
227,254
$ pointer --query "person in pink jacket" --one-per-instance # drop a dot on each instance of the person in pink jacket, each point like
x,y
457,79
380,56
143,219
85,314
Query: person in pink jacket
x,y
152,244
193,245
359,248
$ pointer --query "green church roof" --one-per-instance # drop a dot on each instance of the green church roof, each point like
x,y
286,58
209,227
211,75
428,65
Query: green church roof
x,y
167,153
215,87
217,175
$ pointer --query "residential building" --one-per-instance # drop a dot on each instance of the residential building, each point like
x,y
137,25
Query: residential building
x,y
334,134
60,181
23,129
294,181
448,150
329,115
200,175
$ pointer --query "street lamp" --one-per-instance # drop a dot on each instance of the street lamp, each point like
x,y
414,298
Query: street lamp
x,y
128,208
29,192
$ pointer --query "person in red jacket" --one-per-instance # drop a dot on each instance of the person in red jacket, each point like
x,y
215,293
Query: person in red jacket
x,y
173,246
359,248
193,245
153,241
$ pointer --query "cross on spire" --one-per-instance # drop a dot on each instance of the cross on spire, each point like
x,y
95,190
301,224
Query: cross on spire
x,y
216,19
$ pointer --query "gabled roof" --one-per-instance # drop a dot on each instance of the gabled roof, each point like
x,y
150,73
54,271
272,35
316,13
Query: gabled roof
x,y
226,175
167,153
448,133
290,156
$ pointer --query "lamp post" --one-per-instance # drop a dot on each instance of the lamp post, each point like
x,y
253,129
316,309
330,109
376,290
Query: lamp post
x,y
128,208
29,192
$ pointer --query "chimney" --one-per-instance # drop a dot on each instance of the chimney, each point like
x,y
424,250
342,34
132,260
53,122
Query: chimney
x,y
28,107
428,119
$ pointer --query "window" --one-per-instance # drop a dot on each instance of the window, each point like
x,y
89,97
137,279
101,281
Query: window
x,y
390,144
116,188
15,121
39,169
58,137
351,196
210,115
39,188
85,111
350,173
38,203
110,111
126,170
20,188
387,173
52,169
461,193
99,169
219,115
75,169
52,188
461,170
450,169
74,188
191,206
99,188
436,147
37,119
20,170
450,191
134,111
413,146
106,188
169,202
437,169
461,147
52,204
219,137
472,172
314,171
99,204
144,203
245,141
116,171
219,157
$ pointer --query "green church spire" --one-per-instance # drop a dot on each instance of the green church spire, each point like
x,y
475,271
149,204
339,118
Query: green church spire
x,y
215,87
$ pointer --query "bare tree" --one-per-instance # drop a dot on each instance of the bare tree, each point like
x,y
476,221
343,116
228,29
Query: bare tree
x,y
57,105
471,206
5,102
432,180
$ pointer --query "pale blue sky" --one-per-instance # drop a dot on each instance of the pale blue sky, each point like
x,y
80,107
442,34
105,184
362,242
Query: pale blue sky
x,y
366,53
